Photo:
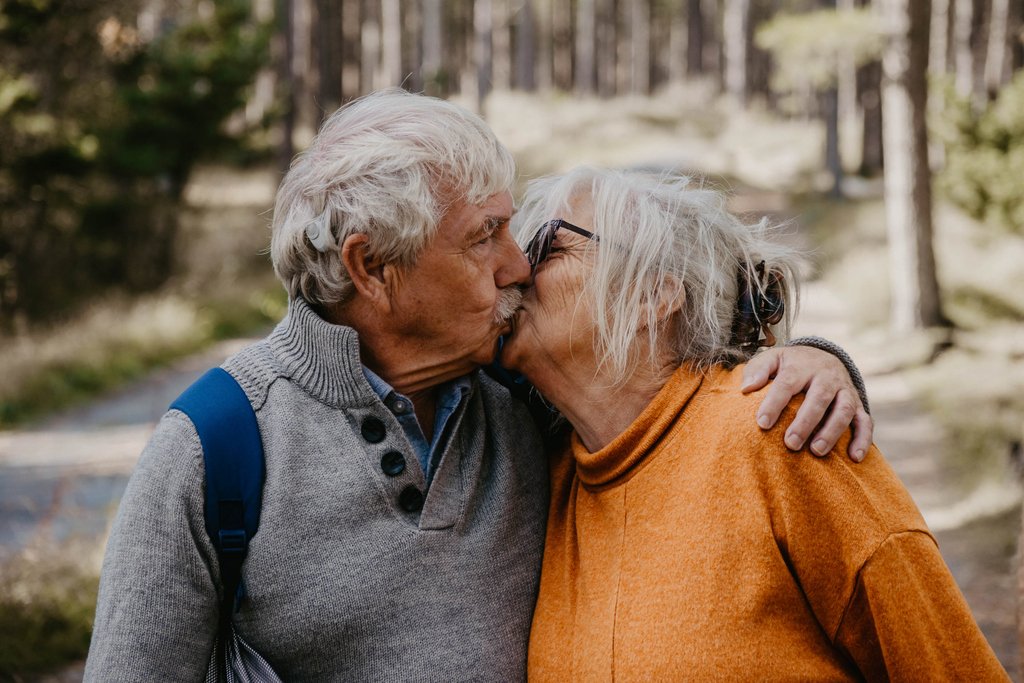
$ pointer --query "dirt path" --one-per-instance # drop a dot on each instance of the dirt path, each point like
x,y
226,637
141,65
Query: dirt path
x,y
61,479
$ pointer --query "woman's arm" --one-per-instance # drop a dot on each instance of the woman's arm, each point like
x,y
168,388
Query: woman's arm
x,y
907,620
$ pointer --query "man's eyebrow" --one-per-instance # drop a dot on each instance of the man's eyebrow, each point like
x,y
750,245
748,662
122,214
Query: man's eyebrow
x,y
490,224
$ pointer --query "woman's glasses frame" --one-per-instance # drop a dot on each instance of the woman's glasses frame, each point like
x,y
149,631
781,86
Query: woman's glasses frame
x,y
539,248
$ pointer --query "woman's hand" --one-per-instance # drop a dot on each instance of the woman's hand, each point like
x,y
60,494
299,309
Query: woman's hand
x,y
831,406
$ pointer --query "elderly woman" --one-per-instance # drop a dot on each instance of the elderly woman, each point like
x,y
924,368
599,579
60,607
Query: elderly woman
x,y
683,542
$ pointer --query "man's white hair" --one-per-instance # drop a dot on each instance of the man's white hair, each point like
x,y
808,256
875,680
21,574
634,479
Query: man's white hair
x,y
387,165
661,239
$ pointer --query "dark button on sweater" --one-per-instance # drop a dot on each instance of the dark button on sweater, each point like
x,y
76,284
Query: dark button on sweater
x,y
373,430
392,463
411,499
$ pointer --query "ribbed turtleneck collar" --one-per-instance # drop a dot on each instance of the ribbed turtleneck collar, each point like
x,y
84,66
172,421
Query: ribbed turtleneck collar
x,y
632,446
321,357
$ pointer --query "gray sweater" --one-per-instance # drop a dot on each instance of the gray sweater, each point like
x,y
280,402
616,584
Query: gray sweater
x,y
345,582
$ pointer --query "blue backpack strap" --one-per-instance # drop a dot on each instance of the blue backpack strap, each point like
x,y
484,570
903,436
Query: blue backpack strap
x,y
235,470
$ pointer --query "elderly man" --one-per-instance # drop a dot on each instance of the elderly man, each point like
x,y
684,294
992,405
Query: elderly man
x,y
405,496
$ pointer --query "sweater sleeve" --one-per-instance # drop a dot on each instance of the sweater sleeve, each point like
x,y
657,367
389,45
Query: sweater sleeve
x,y
907,621
156,616
836,350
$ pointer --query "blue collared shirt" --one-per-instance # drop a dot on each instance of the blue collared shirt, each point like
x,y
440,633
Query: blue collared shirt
x,y
449,397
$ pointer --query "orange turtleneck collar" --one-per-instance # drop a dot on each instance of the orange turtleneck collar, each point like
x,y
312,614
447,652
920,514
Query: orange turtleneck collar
x,y
614,462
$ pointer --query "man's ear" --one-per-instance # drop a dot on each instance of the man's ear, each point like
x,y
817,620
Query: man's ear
x,y
372,278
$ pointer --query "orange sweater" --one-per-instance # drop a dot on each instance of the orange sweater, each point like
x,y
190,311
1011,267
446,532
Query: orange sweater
x,y
696,547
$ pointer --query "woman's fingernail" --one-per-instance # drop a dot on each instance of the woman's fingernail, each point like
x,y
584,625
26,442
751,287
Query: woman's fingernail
x,y
820,447
763,422
858,455
793,442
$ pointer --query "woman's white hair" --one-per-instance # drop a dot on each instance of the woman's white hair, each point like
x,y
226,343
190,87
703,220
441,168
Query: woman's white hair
x,y
387,165
661,240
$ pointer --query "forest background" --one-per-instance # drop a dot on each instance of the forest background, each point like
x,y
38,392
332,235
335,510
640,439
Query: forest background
x,y
141,142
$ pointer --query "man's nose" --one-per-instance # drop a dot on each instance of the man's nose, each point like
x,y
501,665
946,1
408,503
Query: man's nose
x,y
513,268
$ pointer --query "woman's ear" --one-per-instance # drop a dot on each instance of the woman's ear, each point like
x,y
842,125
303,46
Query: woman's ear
x,y
372,278
669,298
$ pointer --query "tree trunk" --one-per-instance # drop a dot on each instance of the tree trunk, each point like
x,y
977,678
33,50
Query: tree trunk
x,y
624,49
735,28
433,48
996,60
908,200
714,52
847,76
963,24
545,48
561,38
305,75
483,25
263,97
460,48
606,36
640,38
694,38
501,46
677,46
833,159
1017,37
329,52
938,56
351,27
584,66
871,158
287,33
526,48
369,41
412,46
391,40
759,62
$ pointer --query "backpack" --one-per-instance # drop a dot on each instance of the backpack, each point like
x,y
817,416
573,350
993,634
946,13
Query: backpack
x,y
235,470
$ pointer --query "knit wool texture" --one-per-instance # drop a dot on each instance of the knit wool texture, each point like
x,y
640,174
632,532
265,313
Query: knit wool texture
x,y
343,583
696,547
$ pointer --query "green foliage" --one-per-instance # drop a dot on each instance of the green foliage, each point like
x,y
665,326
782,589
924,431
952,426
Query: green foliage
x,y
100,131
984,154
807,48
46,610
179,90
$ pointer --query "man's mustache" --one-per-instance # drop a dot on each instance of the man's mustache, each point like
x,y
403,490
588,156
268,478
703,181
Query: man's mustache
x,y
509,301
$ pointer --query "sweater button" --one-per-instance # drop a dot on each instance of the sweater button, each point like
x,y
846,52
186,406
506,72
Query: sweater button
x,y
392,463
411,499
373,430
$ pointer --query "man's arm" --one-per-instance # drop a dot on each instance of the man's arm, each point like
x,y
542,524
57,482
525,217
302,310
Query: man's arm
x,y
835,401
156,617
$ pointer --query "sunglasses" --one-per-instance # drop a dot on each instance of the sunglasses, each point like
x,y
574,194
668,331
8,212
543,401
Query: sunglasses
x,y
539,248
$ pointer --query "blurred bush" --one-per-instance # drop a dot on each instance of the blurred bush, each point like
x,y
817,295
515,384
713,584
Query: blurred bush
x,y
100,131
47,600
809,47
984,170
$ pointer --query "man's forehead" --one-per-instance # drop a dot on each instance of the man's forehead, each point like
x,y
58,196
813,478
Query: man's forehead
x,y
468,218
